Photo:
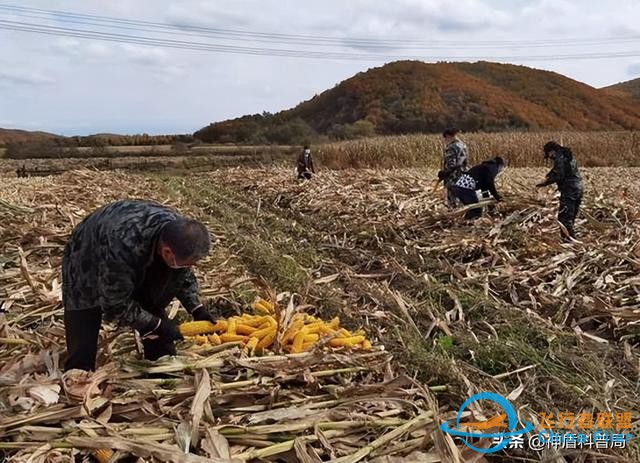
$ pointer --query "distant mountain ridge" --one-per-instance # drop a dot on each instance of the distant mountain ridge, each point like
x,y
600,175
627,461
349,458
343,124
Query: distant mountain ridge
x,y
629,89
413,96
17,136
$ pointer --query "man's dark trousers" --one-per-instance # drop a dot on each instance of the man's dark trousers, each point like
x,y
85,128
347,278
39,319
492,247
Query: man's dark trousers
x,y
83,326
468,196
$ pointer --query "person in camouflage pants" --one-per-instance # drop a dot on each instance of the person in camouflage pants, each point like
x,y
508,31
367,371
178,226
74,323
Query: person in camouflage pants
x,y
566,176
454,163
125,262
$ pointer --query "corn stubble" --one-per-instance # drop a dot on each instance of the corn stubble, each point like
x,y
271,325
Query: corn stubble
x,y
502,303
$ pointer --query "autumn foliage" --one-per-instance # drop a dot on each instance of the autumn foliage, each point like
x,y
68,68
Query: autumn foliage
x,y
416,97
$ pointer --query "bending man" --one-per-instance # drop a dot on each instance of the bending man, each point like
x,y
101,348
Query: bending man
x,y
126,262
481,177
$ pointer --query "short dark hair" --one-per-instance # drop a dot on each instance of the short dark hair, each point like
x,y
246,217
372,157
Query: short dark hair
x,y
187,238
306,147
551,146
498,160
450,132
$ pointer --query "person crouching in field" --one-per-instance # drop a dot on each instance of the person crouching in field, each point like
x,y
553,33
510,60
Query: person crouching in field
x,y
566,176
481,177
454,163
305,164
125,262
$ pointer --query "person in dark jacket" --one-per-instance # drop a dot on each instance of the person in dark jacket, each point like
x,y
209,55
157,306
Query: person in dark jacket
x,y
124,263
566,176
305,164
478,178
454,163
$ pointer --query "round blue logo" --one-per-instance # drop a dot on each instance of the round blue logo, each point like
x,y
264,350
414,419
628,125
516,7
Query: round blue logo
x,y
511,423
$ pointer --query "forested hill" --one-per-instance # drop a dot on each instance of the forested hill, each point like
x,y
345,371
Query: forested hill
x,y
413,96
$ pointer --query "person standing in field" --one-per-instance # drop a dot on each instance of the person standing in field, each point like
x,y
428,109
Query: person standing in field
x,y
305,164
478,178
566,176
125,262
454,163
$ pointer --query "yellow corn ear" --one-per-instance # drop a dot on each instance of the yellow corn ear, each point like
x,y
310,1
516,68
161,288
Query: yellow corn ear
x,y
344,333
326,329
293,329
242,328
215,339
195,328
263,306
314,327
307,346
221,325
366,344
232,337
201,339
261,333
253,321
298,340
103,455
250,347
335,323
311,337
268,339
231,327
346,342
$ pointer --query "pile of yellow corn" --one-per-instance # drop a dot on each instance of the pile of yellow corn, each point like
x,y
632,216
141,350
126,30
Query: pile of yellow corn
x,y
258,332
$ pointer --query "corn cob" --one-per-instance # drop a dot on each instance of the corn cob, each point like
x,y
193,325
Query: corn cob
x,y
232,337
231,328
243,328
261,333
292,331
311,337
199,327
347,341
250,347
267,340
298,340
215,339
263,306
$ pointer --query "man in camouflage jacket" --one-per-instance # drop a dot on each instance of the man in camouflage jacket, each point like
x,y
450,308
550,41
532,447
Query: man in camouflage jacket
x,y
454,163
126,262
566,176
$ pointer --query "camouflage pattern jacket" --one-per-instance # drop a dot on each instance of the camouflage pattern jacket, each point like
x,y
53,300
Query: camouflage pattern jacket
x,y
565,174
106,260
455,160
305,162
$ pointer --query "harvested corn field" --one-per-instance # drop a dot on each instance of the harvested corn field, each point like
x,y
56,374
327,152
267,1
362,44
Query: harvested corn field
x,y
450,309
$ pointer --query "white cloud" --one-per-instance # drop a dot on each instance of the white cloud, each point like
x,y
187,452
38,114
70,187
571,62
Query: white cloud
x,y
73,84
24,77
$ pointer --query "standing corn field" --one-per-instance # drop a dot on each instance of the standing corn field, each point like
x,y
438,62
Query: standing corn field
x,y
520,149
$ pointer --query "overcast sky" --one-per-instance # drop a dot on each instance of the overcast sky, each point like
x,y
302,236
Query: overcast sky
x,y
72,85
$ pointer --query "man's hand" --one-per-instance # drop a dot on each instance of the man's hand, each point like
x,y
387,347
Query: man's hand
x,y
167,330
202,314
